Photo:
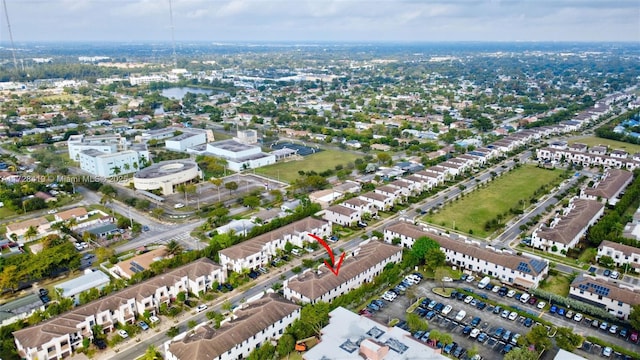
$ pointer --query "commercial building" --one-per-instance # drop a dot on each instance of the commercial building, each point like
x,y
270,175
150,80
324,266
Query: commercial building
x,y
620,253
258,251
239,156
361,266
609,187
353,337
185,140
107,144
90,280
62,335
566,230
166,175
604,294
109,164
526,272
251,326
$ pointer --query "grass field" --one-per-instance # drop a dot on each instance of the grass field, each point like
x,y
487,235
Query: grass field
x,y
324,160
557,284
502,194
613,145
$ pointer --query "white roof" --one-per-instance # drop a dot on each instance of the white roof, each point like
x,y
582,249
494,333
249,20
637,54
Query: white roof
x,y
565,355
347,332
82,283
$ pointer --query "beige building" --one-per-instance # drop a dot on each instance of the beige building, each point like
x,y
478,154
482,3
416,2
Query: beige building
x,y
19,229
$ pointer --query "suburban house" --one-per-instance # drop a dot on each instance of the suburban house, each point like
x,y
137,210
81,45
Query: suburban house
x,y
350,336
348,187
325,197
620,253
342,215
62,335
258,251
252,325
360,266
604,294
79,214
379,201
566,230
505,266
20,229
393,192
609,187
406,188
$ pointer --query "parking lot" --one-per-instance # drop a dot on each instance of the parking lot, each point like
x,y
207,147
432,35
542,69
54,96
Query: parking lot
x,y
497,327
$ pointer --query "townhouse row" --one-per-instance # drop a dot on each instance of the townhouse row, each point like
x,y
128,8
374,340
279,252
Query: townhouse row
x,y
361,266
62,335
566,229
505,266
605,294
617,159
608,187
260,250
620,253
252,325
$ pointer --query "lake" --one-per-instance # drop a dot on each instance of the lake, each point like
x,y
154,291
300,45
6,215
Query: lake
x,y
180,92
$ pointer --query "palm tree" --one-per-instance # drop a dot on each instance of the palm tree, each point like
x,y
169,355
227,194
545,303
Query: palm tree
x,y
174,248
217,183
116,170
127,167
30,233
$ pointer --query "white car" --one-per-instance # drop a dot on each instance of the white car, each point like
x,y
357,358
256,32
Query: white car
x,y
496,289
123,334
415,278
410,280
511,293
513,315
474,333
53,211
447,279
606,352
468,299
154,319
202,307
470,278
541,305
524,298
461,315
178,206
447,309
577,317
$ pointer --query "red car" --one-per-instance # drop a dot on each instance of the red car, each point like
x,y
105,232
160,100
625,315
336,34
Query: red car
x,y
532,301
364,312
634,337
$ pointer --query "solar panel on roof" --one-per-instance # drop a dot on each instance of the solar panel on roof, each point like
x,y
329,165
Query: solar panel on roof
x,y
135,267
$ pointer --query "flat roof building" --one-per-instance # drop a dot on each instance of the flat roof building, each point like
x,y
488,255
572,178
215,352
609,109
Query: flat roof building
x,y
90,280
166,175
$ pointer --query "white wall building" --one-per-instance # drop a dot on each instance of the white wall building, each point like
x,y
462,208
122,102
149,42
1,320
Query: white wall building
x,y
361,266
342,215
251,326
379,201
62,335
185,140
258,251
503,265
166,175
603,294
108,144
566,230
240,156
609,187
620,253
109,164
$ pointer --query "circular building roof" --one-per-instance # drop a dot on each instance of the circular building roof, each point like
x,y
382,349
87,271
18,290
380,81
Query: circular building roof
x,y
165,168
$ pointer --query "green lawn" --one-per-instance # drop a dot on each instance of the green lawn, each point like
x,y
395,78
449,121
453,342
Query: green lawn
x,y
613,144
557,284
502,194
324,160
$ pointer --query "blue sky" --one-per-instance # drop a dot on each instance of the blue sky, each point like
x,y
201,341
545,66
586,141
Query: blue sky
x,y
323,20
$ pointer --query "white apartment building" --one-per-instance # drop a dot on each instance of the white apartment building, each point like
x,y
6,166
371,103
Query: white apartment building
x,y
620,253
342,215
258,251
555,155
503,265
251,326
62,335
364,207
359,267
108,144
390,191
609,186
379,201
567,229
109,164
604,294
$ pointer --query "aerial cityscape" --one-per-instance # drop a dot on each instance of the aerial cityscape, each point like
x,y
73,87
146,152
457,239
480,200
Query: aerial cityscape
x,y
319,180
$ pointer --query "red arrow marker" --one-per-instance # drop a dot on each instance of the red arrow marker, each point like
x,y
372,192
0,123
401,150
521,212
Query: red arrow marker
x,y
330,266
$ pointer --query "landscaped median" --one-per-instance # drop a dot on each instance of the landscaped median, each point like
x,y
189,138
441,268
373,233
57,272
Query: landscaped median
x,y
616,348
415,305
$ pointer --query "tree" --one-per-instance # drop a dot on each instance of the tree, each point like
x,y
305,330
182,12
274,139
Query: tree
x,y
421,246
566,339
286,344
152,353
217,183
157,212
416,323
538,338
174,247
435,258
173,331
266,351
520,353
606,261
226,306
30,233
384,158
439,274
634,317
231,186
251,201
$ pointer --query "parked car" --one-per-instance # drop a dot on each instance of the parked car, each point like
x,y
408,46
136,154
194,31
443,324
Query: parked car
x,y
561,311
482,337
430,315
505,314
633,337
123,334
607,272
201,307
569,314
541,305
513,316
553,309
532,301
614,275
100,343
624,332
528,322
474,333
468,299
470,278
577,317
606,352
613,329
604,325
511,293
497,309
467,330
476,321
143,325
154,319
